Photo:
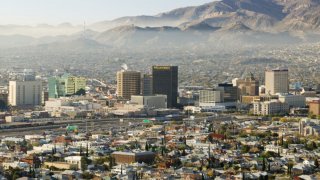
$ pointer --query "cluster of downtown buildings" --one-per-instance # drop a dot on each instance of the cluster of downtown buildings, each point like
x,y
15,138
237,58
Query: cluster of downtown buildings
x,y
158,94
274,98
68,95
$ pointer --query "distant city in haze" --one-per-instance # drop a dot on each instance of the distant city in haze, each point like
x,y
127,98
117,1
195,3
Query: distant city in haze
x,y
160,89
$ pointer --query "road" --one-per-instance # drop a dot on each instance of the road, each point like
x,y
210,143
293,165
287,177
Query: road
x,y
93,125
60,126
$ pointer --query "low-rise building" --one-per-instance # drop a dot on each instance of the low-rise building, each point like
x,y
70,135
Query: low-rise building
x,y
60,165
314,108
153,102
74,160
309,127
270,108
131,157
71,106
11,119
294,101
273,148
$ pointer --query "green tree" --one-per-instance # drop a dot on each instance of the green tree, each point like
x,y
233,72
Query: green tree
x,y
263,164
80,92
147,146
245,149
210,128
80,151
84,163
295,150
87,150
87,175
290,166
112,162
316,163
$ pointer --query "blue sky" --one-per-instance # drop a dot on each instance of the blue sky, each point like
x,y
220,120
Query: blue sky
x,y
32,12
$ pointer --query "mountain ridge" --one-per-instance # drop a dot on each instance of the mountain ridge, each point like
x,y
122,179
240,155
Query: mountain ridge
x,y
244,21
267,15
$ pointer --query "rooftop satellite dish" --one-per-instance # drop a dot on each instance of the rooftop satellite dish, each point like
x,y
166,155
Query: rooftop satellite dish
x,y
124,67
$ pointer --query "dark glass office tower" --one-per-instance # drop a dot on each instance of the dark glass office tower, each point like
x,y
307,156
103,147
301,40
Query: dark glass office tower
x,y
165,81
230,92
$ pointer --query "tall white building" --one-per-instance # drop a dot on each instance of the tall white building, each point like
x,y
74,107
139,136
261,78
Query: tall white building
x,y
25,93
277,81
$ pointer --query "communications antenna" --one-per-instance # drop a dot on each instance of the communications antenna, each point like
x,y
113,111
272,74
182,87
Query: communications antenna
x,y
84,30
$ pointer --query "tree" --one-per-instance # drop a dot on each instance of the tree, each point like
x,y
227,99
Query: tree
x,y
162,151
184,152
316,163
87,150
245,149
290,166
87,175
311,146
210,139
312,116
147,147
210,128
112,162
80,92
84,163
283,119
15,175
281,141
153,148
275,119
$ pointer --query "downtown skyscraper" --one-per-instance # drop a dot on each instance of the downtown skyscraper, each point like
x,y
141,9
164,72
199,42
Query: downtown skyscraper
x,y
165,81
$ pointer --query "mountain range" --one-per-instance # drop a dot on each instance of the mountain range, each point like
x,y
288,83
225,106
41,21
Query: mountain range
x,y
265,15
215,23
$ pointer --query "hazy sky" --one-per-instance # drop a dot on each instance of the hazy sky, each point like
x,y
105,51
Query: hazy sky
x,y
31,12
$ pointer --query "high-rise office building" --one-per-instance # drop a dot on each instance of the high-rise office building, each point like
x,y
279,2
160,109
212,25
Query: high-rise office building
x,y
230,92
146,85
165,81
277,81
208,97
248,86
3,100
66,85
128,83
25,93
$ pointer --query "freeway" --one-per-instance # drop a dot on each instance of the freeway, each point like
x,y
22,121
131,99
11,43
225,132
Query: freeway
x,y
93,125
59,126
